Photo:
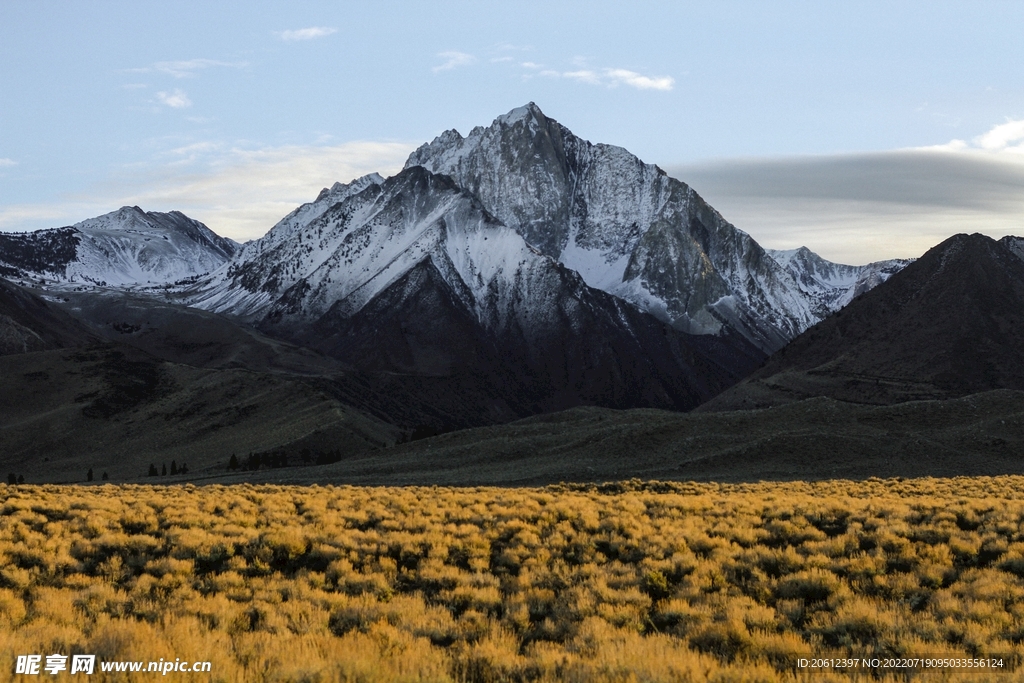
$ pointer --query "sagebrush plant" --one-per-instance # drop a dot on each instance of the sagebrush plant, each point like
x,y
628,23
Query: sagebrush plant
x,y
631,581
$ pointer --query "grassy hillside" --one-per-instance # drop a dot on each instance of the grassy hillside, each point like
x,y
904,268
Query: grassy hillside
x,y
115,409
817,438
620,582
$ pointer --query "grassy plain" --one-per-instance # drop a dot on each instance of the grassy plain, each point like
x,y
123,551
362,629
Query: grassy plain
x,y
619,582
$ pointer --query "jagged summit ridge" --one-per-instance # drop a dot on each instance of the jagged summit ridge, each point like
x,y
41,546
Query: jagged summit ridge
x,y
344,249
305,215
834,285
625,226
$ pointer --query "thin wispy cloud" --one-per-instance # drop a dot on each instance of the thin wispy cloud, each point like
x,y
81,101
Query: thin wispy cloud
x,y
6,163
639,81
613,78
190,153
582,75
452,60
186,68
176,99
510,47
310,33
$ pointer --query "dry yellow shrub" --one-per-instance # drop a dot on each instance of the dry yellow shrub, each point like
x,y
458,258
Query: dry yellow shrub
x,y
628,581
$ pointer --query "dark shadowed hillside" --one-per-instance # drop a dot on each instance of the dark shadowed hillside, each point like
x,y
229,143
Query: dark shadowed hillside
x,y
818,438
950,324
29,323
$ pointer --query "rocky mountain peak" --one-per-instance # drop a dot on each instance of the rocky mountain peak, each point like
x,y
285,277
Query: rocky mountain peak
x,y
624,225
1014,244
524,113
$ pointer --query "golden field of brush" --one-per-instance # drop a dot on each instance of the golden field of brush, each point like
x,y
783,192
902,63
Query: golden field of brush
x,y
620,582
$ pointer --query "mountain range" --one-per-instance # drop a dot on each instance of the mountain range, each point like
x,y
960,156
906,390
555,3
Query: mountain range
x,y
501,275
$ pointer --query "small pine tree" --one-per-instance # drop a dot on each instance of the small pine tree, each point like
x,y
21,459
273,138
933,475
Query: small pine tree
x,y
174,467
88,475
12,478
233,462
163,470
184,468
105,477
21,478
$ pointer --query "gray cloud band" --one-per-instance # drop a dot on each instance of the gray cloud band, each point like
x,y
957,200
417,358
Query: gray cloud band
x,y
920,178
865,207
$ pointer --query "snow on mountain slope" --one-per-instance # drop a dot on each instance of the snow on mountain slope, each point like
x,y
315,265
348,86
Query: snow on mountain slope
x,y
625,226
351,250
126,247
413,274
341,254
834,285
307,213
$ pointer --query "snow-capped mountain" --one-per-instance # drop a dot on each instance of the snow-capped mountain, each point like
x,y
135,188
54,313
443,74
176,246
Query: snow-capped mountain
x,y
626,227
540,270
413,274
833,285
126,247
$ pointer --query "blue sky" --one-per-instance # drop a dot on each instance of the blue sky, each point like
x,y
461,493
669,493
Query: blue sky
x,y
237,112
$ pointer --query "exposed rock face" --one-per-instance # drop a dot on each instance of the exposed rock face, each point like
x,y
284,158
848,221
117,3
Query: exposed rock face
x,y
1014,244
832,286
